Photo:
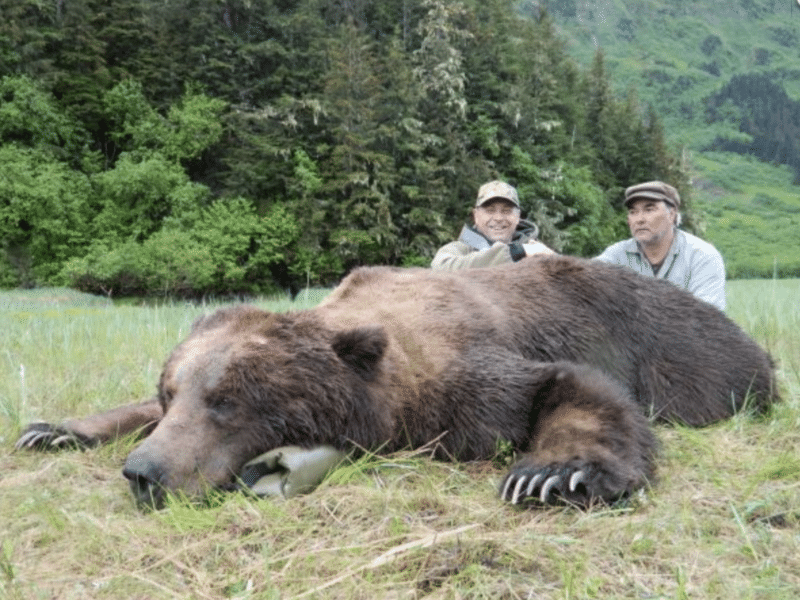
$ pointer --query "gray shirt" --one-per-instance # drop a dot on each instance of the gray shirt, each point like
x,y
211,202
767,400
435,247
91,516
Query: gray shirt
x,y
691,263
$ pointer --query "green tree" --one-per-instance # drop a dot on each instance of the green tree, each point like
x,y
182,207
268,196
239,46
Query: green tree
x,y
137,195
80,74
44,214
627,141
26,30
420,199
440,75
44,202
223,249
358,130
360,228
191,125
129,33
30,116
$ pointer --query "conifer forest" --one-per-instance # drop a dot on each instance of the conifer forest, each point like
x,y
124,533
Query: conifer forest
x,y
206,147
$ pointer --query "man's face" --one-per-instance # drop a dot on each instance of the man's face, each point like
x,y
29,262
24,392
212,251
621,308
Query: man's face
x,y
651,221
497,220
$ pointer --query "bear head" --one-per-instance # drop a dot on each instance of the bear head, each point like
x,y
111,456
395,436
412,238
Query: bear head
x,y
246,381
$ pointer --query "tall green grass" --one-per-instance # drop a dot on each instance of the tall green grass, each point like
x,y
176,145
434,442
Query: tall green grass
x,y
722,522
67,353
769,310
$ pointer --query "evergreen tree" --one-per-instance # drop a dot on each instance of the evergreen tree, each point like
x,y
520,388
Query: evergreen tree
x,y
357,171
27,29
365,126
440,77
80,75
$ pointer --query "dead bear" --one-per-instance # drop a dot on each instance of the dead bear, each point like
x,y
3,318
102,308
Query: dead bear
x,y
564,358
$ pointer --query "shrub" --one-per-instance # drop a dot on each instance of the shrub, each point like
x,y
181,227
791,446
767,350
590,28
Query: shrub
x,y
227,249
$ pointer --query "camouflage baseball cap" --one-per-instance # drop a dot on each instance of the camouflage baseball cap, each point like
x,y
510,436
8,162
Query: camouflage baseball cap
x,y
497,189
653,190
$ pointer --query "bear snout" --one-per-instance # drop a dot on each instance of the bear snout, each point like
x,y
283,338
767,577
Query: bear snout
x,y
145,477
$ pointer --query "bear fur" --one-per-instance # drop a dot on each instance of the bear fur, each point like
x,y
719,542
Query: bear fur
x,y
564,358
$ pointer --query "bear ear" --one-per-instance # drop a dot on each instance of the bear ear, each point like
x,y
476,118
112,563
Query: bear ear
x,y
361,349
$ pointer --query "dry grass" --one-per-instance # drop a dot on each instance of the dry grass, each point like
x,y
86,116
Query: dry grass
x,y
722,522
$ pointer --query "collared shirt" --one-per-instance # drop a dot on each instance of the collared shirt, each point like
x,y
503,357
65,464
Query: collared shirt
x,y
691,263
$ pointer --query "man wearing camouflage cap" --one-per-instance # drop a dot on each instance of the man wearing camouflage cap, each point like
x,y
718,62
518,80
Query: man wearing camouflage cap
x,y
498,235
659,249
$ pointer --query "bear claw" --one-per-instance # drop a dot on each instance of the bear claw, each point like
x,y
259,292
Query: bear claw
x,y
542,486
577,477
549,483
532,485
43,436
35,436
63,440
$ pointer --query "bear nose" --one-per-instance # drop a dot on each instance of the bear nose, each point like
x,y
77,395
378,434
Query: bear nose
x,y
145,478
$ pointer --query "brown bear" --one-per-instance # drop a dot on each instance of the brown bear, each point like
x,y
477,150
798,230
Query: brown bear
x,y
564,358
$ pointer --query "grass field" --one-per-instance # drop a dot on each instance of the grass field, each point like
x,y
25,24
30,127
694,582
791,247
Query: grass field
x,y
751,213
722,522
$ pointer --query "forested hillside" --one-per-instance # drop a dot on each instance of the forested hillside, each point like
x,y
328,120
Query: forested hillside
x,y
204,146
724,75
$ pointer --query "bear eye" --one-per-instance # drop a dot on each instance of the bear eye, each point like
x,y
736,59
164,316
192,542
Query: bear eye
x,y
221,404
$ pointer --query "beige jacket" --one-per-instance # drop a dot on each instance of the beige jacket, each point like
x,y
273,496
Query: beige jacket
x,y
471,249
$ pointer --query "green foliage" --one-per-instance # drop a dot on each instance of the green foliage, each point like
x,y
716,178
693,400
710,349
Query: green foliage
x,y
439,59
193,126
31,117
276,245
131,115
588,216
243,246
171,263
226,249
752,215
190,127
723,76
136,196
767,120
44,214
262,143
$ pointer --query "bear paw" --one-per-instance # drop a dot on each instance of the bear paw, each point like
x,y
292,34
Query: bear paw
x,y
44,436
549,485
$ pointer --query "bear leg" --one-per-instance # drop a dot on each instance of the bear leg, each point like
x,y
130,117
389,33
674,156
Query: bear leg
x,y
589,443
92,430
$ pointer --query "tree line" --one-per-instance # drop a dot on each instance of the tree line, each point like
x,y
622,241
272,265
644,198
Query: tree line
x,y
209,147
763,121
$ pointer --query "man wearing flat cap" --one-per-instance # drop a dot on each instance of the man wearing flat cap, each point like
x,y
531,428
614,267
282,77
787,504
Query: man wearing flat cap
x,y
659,249
498,235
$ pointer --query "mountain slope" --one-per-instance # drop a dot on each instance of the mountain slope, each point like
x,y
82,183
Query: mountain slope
x,y
723,75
